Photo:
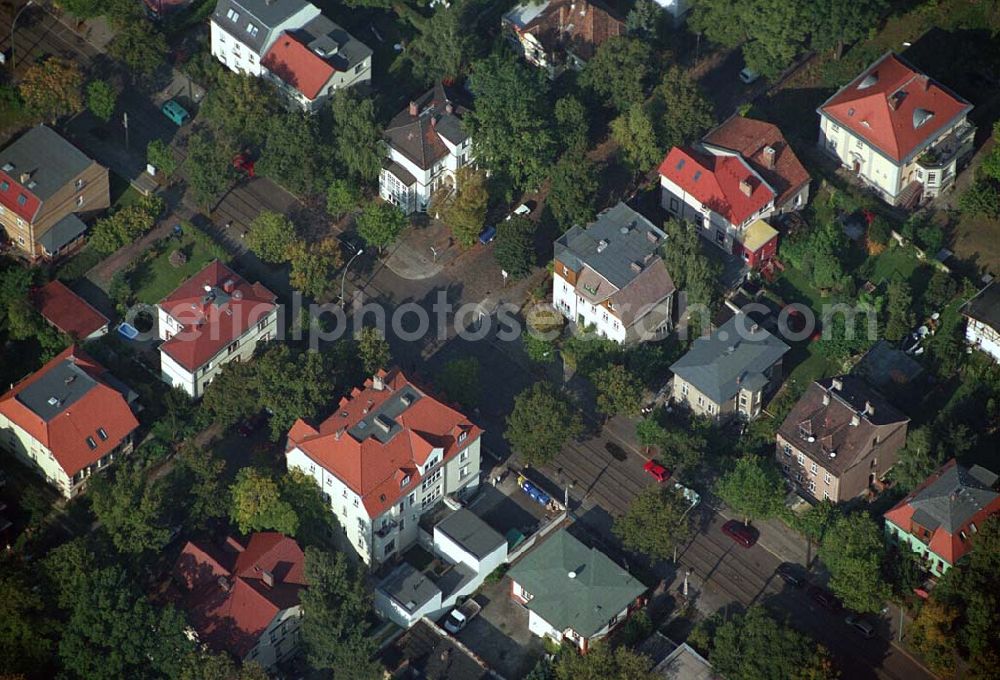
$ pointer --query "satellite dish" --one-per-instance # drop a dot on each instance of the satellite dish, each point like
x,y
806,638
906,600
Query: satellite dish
x,y
572,574
810,439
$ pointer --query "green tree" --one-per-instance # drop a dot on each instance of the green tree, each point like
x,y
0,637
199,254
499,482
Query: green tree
x,y
101,99
643,19
342,197
308,384
572,190
633,132
126,225
619,71
681,112
815,523
880,231
139,46
835,24
918,458
335,607
753,488
538,349
459,380
540,423
660,507
161,157
270,236
24,627
316,522
203,665
358,141
294,154
83,9
510,125
314,267
380,224
443,45
900,302
66,570
619,392
52,88
602,662
514,249
131,509
934,634
678,449
688,265
940,290
373,350
208,166
240,109
464,209
202,474
572,124
852,550
234,393
257,504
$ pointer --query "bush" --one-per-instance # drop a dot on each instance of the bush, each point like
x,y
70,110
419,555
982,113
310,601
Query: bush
x,y
880,231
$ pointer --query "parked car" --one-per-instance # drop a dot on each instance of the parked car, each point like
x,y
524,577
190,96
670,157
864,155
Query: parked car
x,y
522,210
175,112
660,473
859,624
487,234
460,616
617,452
825,599
792,574
748,75
740,532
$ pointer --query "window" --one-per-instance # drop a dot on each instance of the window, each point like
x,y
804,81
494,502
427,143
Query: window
x,y
4,186
826,495
252,30
827,478
404,481
359,67
858,143
390,547
786,449
812,485
814,468
22,199
329,481
79,201
720,236
464,472
312,468
233,15
79,184
464,456
102,433
801,459
701,400
673,204
345,492
91,443
684,389
355,502
463,436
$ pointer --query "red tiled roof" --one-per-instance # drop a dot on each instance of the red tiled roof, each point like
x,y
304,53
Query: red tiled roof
x,y
715,182
212,324
371,469
227,600
67,311
881,106
297,65
9,198
65,434
750,138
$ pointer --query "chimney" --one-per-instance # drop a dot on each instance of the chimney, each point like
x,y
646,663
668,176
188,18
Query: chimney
x,y
837,384
745,187
267,577
25,176
869,409
413,109
826,399
770,154
377,383
636,267
228,285
448,108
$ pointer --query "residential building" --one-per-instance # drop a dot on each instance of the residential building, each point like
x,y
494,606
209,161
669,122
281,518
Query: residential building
x,y
610,275
684,663
426,651
387,455
900,132
556,35
467,551
48,188
839,439
739,174
573,592
982,320
68,420
69,313
729,372
939,519
426,144
310,63
213,318
242,31
241,596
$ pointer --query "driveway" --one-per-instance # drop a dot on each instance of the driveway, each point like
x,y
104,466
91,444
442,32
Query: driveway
x,y
500,635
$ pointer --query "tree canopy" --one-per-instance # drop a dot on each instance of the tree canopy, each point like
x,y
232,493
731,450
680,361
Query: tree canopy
x,y
373,349
380,224
131,508
681,112
52,88
463,208
101,99
443,46
270,236
619,72
752,488
514,249
618,391
257,504
140,46
459,380
660,507
572,190
358,139
314,267
602,662
852,550
540,423
688,265
633,131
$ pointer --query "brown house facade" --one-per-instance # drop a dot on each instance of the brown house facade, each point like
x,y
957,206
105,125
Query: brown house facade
x,y
48,188
839,439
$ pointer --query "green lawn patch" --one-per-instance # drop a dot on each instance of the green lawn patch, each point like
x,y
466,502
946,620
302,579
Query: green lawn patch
x,y
122,192
155,277
893,260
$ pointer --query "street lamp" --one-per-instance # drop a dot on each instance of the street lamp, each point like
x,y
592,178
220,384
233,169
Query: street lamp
x,y
13,61
343,279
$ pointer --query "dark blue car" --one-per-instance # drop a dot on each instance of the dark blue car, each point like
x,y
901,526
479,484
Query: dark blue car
x,y
487,234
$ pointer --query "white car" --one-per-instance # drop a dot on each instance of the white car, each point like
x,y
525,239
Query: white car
x,y
748,75
459,616
522,210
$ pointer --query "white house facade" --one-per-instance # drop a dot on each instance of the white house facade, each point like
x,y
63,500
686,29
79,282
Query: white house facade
x,y
242,31
982,321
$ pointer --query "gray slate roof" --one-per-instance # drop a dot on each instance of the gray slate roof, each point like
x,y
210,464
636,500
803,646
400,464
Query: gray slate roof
x,y
599,590
323,35
732,356
51,160
417,137
985,307
62,233
380,423
409,587
263,14
56,390
471,533
954,498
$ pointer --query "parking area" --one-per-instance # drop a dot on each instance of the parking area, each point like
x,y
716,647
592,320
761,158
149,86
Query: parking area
x,y
507,508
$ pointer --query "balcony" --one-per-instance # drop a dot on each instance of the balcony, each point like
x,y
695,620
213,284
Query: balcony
x,y
955,145
388,529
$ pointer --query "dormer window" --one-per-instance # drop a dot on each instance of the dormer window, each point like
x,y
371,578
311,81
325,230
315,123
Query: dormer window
x,y
102,433
404,482
91,443
463,436
233,15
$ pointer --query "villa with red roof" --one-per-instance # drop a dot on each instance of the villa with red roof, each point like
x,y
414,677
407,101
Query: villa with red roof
x,y
939,519
68,420
68,312
388,455
901,132
740,173
242,596
213,318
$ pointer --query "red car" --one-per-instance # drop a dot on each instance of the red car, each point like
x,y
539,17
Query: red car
x,y
660,473
740,532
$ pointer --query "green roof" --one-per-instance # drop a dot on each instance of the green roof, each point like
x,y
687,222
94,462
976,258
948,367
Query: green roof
x,y
586,601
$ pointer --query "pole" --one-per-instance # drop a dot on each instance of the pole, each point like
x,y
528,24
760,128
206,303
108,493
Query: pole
x,y
686,574
901,624
343,279
125,124
13,23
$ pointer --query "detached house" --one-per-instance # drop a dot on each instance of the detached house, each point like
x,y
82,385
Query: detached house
x,y
388,455
559,34
739,174
244,30
242,595
839,439
48,188
213,318
902,133
68,420
982,320
573,593
426,145
729,372
609,274
939,520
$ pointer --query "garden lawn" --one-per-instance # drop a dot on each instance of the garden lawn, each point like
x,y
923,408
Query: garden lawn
x,y
122,192
154,279
892,260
